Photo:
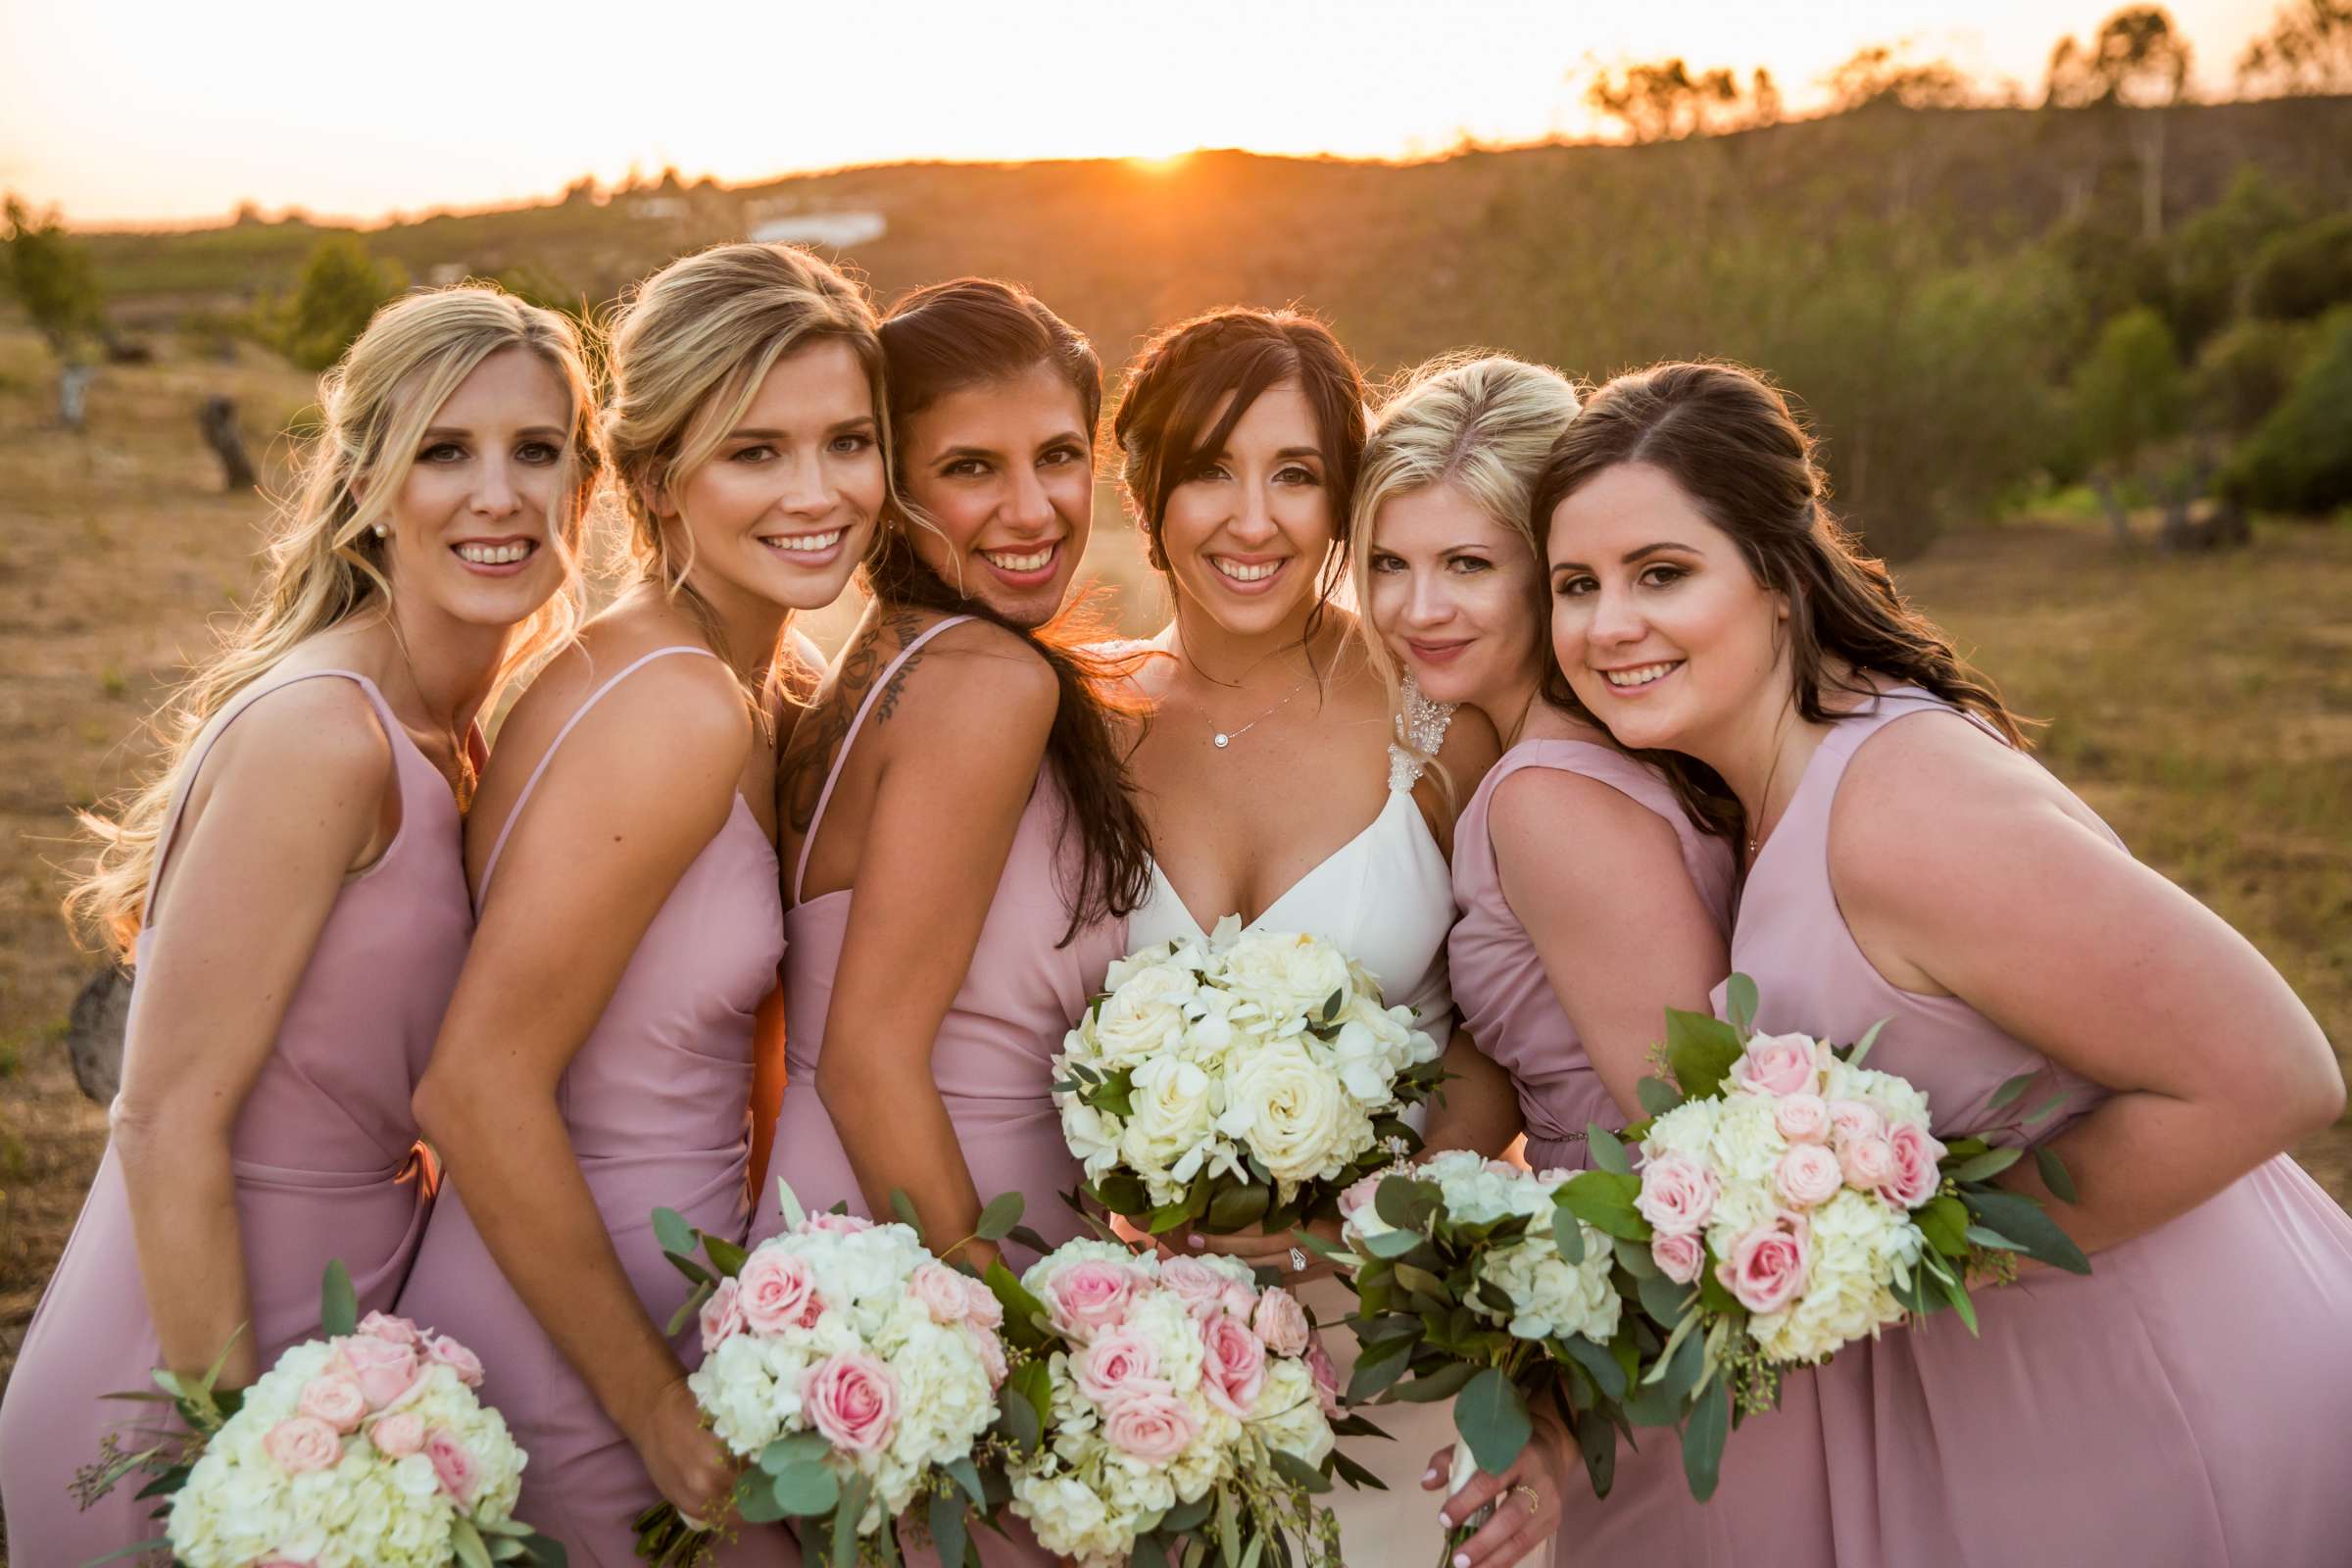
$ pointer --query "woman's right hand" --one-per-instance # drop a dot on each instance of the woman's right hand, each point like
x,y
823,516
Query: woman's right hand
x,y
688,1464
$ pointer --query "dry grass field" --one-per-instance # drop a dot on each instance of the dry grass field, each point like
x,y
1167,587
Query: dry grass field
x,y
2204,705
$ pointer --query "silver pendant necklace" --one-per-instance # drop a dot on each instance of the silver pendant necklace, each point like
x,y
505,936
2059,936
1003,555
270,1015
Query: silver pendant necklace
x,y
1222,739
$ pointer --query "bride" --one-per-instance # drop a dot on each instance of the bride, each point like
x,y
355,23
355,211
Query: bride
x,y
1267,773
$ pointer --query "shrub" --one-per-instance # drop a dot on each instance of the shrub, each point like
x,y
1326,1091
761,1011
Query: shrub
x,y
2299,459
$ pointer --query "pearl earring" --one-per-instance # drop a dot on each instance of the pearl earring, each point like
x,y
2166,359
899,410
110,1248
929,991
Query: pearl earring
x,y
382,532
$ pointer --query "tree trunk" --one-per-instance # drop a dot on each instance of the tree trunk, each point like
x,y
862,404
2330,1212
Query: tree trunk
x,y
2104,486
218,419
73,392
2148,142
94,1033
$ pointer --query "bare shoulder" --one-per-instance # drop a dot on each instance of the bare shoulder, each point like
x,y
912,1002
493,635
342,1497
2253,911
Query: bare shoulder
x,y
682,718
974,672
313,739
1566,825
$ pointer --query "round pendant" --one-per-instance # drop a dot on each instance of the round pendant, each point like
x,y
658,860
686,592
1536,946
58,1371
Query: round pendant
x,y
1223,741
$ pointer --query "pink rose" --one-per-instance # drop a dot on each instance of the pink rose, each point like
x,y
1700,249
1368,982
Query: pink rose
x,y
840,1224
1808,1174
447,1351
335,1401
302,1444
1198,1286
1326,1376
980,1304
1679,1257
775,1292
1766,1266
1360,1197
1678,1194
1868,1164
452,1466
1234,1369
941,1291
385,1371
393,1330
1115,1366
1153,1426
1853,1119
1803,1118
1281,1322
991,1350
1090,1295
721,1316
853,1399
398,1435
1778,1065
1917,1154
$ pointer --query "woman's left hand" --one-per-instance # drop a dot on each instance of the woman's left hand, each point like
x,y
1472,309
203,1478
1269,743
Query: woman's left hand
x,y
1262,1249
1527,1498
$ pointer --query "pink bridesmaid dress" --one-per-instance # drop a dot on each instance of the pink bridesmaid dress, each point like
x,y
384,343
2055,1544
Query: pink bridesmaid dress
x,y
1513,1015
321,1154
2180,1406
656,1107
993,1059
1504,997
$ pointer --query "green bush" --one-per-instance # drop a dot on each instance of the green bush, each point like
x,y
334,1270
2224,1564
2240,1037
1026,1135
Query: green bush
x,y
2304,272
342,287
2299,460
2131,393
2245,372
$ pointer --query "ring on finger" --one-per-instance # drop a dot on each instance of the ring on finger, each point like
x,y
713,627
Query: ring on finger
x,y
1298,1260
1535,1500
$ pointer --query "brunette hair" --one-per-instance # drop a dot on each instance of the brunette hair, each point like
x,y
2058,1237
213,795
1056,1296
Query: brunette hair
x,y
325,563
972,332
1727,437
1163,428
690,349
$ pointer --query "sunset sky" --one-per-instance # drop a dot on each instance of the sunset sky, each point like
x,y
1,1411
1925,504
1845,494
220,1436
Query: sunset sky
x,y
141,110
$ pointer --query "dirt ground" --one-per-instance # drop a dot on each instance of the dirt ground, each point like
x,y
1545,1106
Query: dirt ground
x,y
2204,705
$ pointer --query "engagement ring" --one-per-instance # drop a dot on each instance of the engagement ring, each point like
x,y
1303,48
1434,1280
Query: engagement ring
x,y
1534,1502
1298,1262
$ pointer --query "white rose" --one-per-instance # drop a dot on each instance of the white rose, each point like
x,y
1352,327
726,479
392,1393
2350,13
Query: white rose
x,y
1288,1414
1286,972
1144,1016
1293,1114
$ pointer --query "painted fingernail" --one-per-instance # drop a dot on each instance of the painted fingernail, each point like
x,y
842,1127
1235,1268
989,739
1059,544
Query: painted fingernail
x,y
1461,1559
1195,1243
1430,1474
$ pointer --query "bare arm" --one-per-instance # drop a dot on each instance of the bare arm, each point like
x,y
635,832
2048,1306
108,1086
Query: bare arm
x,y
1598,880
2020,908
641,788
962,746
296,790
1478,1106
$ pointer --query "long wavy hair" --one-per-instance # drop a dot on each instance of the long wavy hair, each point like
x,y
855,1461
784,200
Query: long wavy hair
x,y
690,349
1728,438
325,565
1164,430
1483,423
973,332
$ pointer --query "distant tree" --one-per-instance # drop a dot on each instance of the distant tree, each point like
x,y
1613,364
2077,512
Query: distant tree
x,y
1763,99
2136,59
1666,101
2207,264
2307,51
2299,460
2129,396
2304,272
49,272
1882,75
342,286
2245,372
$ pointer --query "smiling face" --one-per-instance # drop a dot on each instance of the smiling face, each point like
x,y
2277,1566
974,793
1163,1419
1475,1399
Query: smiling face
x,y
1664,634
1450,596
1004,471
782,511
1246,532
469,530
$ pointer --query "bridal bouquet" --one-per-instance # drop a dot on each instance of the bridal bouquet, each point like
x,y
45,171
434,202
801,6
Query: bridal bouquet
x,y
1166,1401
1243,1084
1793,1201
365,1449
1479,1280
853,1369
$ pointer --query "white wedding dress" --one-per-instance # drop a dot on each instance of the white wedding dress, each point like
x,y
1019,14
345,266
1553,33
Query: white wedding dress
x,y
1384,898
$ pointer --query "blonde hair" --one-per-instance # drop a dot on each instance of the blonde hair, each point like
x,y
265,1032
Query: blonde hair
x,y
1483,423
690,350
325,562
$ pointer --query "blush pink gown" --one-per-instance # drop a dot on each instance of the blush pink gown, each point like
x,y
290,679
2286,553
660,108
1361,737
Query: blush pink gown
x,y
2181,1406
993,1057
656,1104
321,1154
1513,1015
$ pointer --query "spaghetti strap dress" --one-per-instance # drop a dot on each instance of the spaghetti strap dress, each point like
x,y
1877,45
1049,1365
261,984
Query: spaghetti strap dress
x,y
322,1154
656,1104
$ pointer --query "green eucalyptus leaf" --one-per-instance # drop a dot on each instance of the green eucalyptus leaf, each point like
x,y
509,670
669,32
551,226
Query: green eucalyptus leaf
x,y
2054,1175
756,1497
1700,1051
2037,1235
466,1544
1986,1165
2043,1111
845,1521
1392,1243
1443,1384
1704,1437
1663,1299
800,1448
1567,1234
1299,1473
1740,1003
338,1303
949,1530
904,1207
1984,1236
1238,1208
726,1256
1608,1150
1870,1038
2011,1089
807,1489
1186,1517
1657,1096
997,1220
967,1475
1943,1220
1596,1360
1491,1416
674,1233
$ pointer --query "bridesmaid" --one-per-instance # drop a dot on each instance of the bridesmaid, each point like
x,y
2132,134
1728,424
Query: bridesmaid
x,y
1585,896
963,850
1907,861
597,1058
290,886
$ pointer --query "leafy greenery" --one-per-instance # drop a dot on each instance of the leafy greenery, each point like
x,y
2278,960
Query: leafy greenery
x,y
342,288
